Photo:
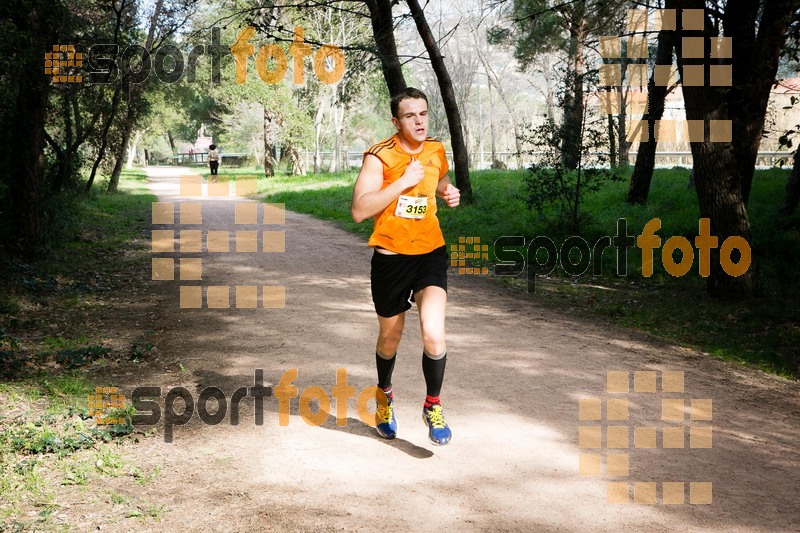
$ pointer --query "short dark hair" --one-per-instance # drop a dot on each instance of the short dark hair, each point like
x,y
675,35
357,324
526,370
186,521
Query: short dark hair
x,y
408,92
213,146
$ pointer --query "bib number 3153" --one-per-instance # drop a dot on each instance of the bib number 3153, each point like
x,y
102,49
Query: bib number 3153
x,y
411,207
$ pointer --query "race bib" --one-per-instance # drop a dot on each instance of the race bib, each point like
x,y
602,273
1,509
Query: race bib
x,y
411,207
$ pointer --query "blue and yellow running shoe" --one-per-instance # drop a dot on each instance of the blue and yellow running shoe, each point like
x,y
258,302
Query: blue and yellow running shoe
x,y
438,431
387,423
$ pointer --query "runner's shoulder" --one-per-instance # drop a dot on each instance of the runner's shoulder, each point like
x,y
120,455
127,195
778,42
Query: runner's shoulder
x,y
382,147
434,144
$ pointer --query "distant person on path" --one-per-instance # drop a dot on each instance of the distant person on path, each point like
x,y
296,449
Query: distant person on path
x,y
213,159
399,180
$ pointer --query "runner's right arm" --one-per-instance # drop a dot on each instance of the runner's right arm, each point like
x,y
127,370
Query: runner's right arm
x,y
368,197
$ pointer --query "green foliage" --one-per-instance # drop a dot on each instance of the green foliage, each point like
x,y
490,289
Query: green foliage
x,y
51,432
71,384
56,434
551,187
81,357
540,27
11,362
282,122
64,426
141,348
143,478
107,233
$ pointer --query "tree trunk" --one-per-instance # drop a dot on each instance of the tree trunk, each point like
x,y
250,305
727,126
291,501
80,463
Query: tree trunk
x,y
460,154
133,150
755,64
63,156
318,121
134,96
494,81
337,114
623,144
518,145
122,154
58,176
717,178
333,163
550,98
573,97
27,146
792,195
656,95
101,152
298,166
612,144
269,160
380,14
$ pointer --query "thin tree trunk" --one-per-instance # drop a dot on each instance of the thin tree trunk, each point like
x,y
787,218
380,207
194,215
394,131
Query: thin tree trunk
x,y
101,152
64,167
550,98
612,142
380,12
656,95
623,145
133,150
269,160
494,80
317,138
254,141
113,183
333,164
298,167
460,154
518,144
134,96
337,116
792,195
573,99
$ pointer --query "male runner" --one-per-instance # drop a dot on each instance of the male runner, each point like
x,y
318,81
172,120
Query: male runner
x,y
398,184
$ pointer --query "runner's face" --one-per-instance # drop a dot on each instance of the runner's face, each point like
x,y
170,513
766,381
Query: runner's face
x,y
412,119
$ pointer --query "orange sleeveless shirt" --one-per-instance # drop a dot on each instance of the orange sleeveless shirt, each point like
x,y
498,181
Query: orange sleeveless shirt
x,y
407,235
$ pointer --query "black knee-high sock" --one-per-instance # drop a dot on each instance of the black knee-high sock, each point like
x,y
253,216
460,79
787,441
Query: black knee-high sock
x,y
433,369
385,368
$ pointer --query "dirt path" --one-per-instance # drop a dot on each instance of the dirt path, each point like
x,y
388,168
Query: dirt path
x,y
514,379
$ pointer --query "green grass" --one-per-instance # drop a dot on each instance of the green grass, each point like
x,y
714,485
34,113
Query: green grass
x,y
96,240
47,439
762,332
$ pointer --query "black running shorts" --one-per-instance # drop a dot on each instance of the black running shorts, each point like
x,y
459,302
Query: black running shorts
x,y
396,277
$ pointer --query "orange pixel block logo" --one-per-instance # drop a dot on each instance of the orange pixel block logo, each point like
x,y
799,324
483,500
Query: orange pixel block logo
x,y
166,242
718,74
469,248
63,63
106,398
604,436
